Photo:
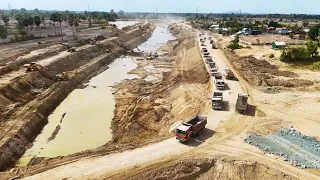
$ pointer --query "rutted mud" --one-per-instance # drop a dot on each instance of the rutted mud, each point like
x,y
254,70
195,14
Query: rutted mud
x,y
203,169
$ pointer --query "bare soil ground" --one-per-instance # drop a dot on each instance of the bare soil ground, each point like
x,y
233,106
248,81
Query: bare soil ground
x,y
221,152
269,39
27,98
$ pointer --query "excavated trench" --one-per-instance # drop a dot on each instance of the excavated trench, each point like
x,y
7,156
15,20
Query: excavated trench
x,y
87,113
27,101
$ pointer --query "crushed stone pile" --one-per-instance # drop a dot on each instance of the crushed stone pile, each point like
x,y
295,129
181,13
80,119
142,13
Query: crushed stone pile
x,y
298,149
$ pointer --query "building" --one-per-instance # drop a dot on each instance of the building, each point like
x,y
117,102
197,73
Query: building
x,y
283,31
276,45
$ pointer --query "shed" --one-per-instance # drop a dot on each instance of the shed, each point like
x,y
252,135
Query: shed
x,y
278,45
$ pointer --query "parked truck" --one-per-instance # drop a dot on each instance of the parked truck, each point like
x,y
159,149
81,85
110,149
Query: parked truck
x,y
192,128
242,102
217,101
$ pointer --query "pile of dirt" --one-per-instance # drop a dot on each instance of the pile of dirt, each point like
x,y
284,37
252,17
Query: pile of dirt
x,y
145,109
262,73
204,168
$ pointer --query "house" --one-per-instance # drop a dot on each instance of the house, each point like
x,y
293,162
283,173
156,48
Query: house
x,y
255,32
278,45
215,26
282,31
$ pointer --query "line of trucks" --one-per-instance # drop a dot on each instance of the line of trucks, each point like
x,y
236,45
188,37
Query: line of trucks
x,y
196,125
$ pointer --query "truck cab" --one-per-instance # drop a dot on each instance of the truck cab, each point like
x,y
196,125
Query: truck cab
x,y
217,101
183,132
193,127
242,102
213,71
220,84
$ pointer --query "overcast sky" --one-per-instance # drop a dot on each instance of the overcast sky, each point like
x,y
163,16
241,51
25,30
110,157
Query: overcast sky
x,y
205,6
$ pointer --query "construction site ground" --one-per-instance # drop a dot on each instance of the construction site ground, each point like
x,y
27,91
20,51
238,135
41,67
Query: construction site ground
x,y
143,145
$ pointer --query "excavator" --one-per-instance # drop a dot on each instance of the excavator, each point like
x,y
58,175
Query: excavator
x,y
62,76
32,66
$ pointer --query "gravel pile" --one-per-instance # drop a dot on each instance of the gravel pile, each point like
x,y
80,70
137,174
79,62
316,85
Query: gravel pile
x,y
298,149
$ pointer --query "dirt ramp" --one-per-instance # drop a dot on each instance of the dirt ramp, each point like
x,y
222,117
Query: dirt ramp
x,y
204,169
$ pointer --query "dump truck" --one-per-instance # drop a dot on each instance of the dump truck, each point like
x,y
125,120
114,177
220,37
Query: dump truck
x,y
229,74
242,102
192,128
220,84
217,101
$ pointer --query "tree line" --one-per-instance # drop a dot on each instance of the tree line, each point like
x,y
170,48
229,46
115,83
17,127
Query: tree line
x,y
26,20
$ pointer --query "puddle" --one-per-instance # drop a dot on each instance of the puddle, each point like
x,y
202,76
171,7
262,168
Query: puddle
x,y
83,120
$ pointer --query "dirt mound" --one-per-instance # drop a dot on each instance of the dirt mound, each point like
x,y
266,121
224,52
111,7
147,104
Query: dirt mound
x,y
262,73
204,168
144,109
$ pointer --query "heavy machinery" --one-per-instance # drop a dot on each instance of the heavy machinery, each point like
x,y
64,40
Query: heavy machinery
x,y
62,76
217,101
229,74
93,41
242,103
220,84
32,66
192,128
72,49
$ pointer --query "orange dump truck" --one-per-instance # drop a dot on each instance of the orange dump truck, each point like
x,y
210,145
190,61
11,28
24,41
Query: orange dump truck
x,y
192,128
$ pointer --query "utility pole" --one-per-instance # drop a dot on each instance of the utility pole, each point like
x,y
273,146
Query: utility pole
x,y
197,10
156,9
88,8
9,6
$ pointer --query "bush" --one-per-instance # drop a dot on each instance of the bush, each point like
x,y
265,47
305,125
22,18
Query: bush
x,y
103,27
295,53
235,46
22,31
315,66
271,56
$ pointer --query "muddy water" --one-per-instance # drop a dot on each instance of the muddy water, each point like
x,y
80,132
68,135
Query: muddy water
x,y
83,120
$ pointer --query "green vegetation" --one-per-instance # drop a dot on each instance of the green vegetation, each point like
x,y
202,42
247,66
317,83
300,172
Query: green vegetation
x,y
235,44
271,56
314,32
315,66
28,19
3,33
298,53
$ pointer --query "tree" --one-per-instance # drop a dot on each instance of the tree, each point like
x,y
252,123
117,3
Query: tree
x,y
312,48
291,36
3,33
59,19
37,22
53,18
305,23
273,24
236,39
121,13
5,18
314,32
19,19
